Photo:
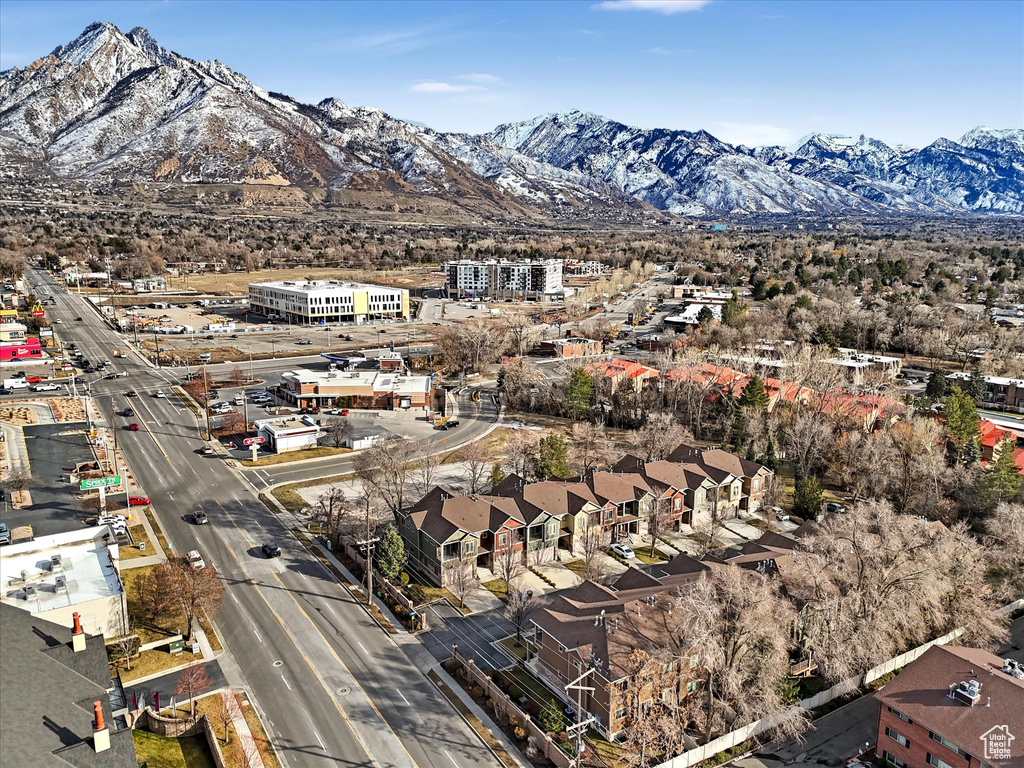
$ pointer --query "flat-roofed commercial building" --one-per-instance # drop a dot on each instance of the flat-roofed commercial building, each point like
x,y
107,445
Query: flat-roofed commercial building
x,y
77,572
310,302
505,280
356,389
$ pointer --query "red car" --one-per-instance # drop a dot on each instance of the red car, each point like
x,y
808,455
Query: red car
x,y
33,379
133,427
138,501
344,411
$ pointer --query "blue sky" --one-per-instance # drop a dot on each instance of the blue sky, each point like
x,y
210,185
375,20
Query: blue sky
x,y
751,72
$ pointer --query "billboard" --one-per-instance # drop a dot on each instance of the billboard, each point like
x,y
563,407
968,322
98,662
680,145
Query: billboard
x,y
10,350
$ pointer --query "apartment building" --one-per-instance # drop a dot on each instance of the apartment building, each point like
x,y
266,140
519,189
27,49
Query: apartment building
x,y
311,302
555,518
504,280
999,390
597,627
953,708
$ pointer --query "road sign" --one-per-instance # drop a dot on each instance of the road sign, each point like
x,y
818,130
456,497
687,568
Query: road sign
x,y
254,441
101,482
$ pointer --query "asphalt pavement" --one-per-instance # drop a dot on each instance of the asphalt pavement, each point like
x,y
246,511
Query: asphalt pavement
x,y
332,687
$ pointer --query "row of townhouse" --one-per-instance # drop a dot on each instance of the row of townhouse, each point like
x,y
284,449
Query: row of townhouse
x,y
554,518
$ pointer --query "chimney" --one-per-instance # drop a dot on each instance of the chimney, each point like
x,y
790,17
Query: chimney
x,y
100,734
77,634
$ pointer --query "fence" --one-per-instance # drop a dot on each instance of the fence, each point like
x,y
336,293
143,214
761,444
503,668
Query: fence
x,y
731,739
505,709
378,580
175,728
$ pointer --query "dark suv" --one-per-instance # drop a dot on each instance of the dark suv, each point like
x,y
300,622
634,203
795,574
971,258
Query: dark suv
x,y
270,549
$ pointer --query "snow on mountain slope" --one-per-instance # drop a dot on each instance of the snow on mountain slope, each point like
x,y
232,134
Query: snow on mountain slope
x,y
122,107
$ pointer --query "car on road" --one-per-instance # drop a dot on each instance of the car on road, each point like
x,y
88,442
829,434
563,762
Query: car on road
x,y
46,387
128,412
5,534
835,508
622,550
271,549
449,425
5,391
199,517
138,501
195,559
33,379
159,393
206,450
303,342
78,319
133,427
131,393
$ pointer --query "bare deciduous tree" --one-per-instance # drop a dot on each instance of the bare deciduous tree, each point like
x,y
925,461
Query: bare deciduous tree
x,y
741,627
590,543
521,449
384,471
1005,530
193,590
427,463
458,578
507,562
194,679
225,712
658,437
590,447
337,430
519,604
477,456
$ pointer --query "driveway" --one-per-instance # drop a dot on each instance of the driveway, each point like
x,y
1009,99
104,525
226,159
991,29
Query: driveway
x,y
473,634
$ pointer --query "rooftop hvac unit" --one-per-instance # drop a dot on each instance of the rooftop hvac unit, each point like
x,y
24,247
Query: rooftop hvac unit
x,y
30,593
968,693
60,584
56,563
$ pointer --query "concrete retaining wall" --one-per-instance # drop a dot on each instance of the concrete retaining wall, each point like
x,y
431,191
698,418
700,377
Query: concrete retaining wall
x,y
175,728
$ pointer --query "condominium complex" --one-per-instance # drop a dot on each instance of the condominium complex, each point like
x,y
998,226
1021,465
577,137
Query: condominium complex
x,y
311,301
505,280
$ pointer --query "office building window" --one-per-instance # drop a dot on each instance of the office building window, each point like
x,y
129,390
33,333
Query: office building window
x,y
900,715
949,745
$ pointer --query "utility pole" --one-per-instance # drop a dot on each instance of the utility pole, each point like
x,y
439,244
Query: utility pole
x,y
156,337
113,429
206,403
369,543
579,727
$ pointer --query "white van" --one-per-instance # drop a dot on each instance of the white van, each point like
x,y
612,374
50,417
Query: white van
x,y
205,357
195,559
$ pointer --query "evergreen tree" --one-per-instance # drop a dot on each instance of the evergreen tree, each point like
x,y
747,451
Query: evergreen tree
x,y
551,718
936,387
753,395
738,436
751,456
579,394
826,337
807,497
553,458
705,316
389,554
770,460
1002,479
498,475
975,385
962,424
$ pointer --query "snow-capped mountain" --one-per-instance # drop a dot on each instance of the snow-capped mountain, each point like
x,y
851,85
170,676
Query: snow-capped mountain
x,y
123,108
694,173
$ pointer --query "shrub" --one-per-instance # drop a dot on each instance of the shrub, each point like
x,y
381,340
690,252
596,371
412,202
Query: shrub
x,y
531,708
519,732
476,691
403,579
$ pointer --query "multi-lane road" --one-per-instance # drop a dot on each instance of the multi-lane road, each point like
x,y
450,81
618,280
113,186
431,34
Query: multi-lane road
x,y
334,689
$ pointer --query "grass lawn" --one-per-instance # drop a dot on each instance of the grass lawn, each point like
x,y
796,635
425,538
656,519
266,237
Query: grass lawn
x,y
423,593
284,458
609,752
643,554
292,501
232,748
576,566
162,752
130,553
150,663
532,687
497,587
514,648
168,624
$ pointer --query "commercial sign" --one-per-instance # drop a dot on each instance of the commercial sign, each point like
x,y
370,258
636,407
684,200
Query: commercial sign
x,y
254,441
101,482
28,348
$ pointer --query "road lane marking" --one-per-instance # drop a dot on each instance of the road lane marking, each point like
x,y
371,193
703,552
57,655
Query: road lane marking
x,y
232,596
329,608
403,698
286,682
361,646
451,758
257,634
320,740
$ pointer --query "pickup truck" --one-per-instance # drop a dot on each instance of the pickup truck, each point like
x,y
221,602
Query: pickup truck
x,y
46,387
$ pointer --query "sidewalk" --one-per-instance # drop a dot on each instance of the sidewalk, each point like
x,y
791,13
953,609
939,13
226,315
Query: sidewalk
x,y
255,760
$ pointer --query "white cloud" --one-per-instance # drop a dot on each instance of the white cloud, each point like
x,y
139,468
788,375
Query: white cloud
x,y
393,42
754,134
445,88
659,6
479,77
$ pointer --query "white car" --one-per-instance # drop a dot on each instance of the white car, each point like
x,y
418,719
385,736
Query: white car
x,y
112,520
46,387
159,393
195,559
622,550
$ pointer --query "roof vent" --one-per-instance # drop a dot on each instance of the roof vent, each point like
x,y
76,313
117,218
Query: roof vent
x,y
968,693
56,563
60,584
30,593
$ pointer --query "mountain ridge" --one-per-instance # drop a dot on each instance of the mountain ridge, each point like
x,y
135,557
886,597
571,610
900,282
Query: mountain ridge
x,y
121,107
